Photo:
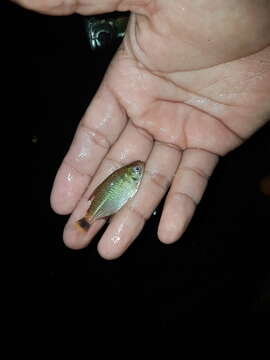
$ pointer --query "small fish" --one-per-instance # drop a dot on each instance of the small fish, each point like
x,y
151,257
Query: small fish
x,y
113,193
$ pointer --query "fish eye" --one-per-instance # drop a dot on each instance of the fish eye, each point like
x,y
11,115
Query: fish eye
x,y
137,168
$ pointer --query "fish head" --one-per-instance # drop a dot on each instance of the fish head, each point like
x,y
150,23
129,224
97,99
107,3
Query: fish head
x,y
136,170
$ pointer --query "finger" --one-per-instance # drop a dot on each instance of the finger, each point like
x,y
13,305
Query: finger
x,y
133,144
58,7
127,224
51,7
101,125
186,191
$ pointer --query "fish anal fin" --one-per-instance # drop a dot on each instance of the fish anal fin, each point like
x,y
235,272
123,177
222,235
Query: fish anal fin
x,y
91,197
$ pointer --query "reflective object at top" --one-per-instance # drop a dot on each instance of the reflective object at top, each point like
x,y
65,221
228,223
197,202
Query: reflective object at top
x,y
106,30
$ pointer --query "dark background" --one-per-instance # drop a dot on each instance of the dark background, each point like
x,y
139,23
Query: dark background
x,y
221,264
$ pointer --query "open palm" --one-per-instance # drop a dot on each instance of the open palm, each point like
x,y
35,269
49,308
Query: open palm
x,y
177,116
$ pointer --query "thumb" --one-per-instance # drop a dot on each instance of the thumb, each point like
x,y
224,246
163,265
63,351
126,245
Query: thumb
x,y
84,7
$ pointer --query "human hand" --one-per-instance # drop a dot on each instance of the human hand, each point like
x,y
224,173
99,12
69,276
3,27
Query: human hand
x,y
180,92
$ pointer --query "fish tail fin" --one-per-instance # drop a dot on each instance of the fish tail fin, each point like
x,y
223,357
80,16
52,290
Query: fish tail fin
x,y
83,223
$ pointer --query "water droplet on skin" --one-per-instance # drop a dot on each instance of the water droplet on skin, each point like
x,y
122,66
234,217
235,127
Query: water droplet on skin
x,y
82,154
115,239
124,154
200,101
69,177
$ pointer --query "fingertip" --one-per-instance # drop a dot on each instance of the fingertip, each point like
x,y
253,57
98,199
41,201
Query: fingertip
x,y
106,253
67,189
57,207
120,234
167,237
171,231
111,246
74,238
175,218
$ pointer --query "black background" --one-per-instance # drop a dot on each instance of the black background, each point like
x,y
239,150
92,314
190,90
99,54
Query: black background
x,y
221,264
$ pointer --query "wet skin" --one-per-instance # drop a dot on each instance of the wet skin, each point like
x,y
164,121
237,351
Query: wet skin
x,y
190,83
